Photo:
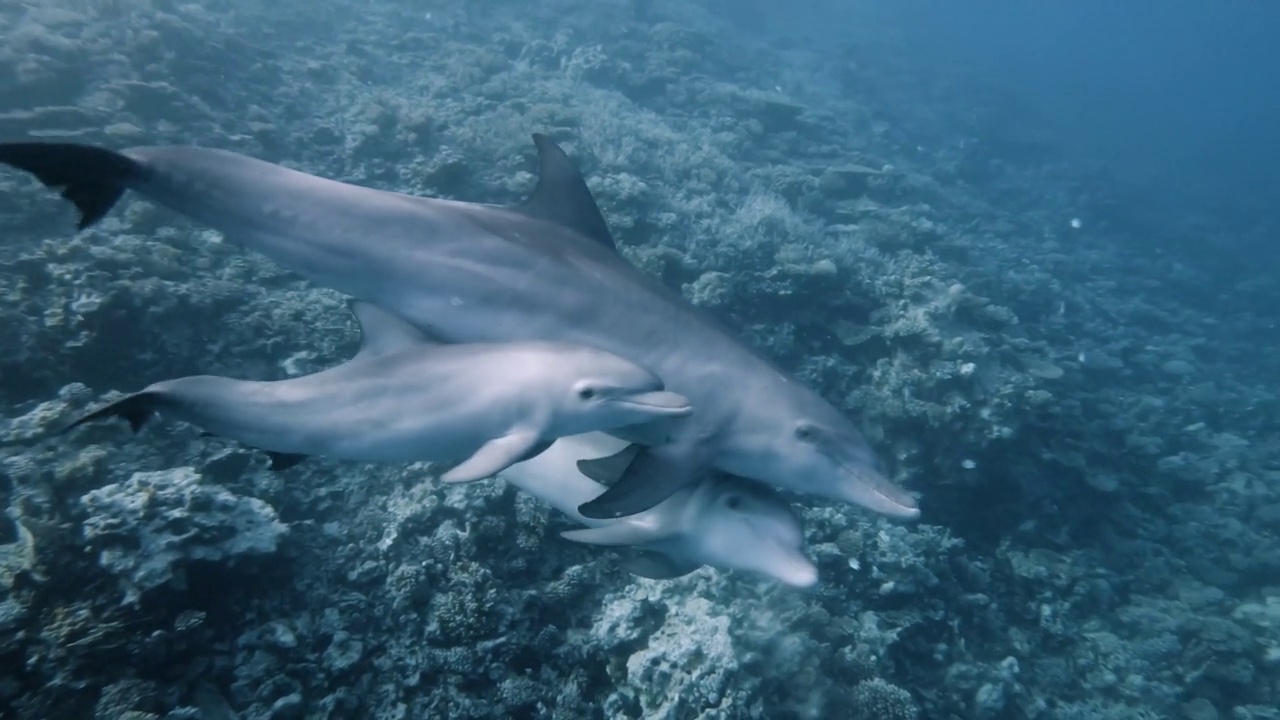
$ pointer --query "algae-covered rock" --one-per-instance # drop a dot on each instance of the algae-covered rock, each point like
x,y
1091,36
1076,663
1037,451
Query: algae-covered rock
x,y
881,700
689,662
149,527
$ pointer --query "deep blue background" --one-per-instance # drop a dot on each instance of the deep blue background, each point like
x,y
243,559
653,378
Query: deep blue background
x,y
1181,98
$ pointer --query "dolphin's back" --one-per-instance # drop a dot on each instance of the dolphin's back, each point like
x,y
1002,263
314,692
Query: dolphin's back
x,y
311,224
424,257
235,409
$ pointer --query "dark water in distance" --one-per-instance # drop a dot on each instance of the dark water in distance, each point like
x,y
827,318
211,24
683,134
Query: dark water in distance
x,y
1181,97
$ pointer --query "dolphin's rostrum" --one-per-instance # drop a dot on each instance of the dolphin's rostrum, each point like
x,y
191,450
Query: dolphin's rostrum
x,y
545,270
404,398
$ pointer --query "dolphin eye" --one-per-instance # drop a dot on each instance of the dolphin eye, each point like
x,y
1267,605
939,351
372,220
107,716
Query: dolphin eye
x,y
733,502
805,431
587,393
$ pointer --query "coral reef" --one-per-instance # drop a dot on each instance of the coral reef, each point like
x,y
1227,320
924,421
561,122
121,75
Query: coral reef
x,y
1090,429
146,529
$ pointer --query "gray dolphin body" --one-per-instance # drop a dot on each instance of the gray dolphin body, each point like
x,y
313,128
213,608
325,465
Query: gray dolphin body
x,y
720,521
467,272
403,398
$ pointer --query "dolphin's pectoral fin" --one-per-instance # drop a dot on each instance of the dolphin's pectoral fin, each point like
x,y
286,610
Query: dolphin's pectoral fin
x,y
562,197
607,470
495,456
136,408
622,532
382,333
92,178
656,566
652,477
283,461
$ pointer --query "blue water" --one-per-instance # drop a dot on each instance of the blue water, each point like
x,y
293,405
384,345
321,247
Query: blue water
x,y
1178,100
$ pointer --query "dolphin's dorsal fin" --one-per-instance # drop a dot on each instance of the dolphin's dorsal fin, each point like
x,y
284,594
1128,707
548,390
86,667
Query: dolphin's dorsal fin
x,y
562,197
382,333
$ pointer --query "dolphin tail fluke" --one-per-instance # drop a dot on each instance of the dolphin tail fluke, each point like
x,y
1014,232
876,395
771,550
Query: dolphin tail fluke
x,y
92,178
652,477
136,408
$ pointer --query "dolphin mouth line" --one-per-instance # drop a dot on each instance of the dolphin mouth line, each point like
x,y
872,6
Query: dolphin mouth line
x,y
795,569
663,409
904,508
661,402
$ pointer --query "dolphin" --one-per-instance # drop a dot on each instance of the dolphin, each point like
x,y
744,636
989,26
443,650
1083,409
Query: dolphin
x,y
721,521
405,398
467,272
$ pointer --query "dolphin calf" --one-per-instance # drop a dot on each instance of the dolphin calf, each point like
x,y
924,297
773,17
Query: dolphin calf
x,y
721,521
403,398
466,272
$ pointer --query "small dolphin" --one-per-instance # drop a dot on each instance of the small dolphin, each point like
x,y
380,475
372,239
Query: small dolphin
x,y
547,269
403,398
721,521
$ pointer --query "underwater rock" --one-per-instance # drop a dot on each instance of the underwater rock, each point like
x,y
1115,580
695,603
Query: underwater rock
x,y
128,700
711,289
12,615
1042,369
148,527
852,334
16,556
774,111
880,700
343,653
1180,368
67,119
848,180
689,662
1199,709
45,417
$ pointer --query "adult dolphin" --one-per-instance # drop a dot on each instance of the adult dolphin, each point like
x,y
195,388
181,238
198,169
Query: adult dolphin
x,y
467,272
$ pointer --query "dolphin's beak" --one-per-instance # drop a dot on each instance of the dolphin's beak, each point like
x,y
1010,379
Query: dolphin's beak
x,y
873,491
795,570
659,402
